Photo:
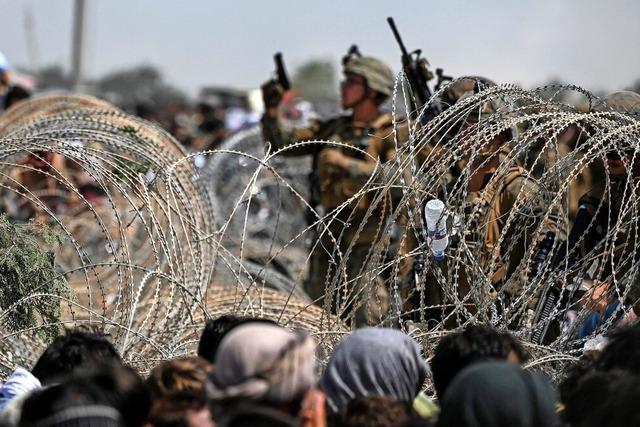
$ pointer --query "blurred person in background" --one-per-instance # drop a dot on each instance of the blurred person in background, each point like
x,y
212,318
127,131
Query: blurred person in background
x,y
474,344
4,79
178,390
498,394
100,395
10,94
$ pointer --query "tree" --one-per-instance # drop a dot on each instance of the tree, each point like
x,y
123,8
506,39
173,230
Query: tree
x,y
53,77
141,84
26,270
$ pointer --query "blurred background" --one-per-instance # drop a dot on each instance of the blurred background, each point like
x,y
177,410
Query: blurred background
x,y
195,66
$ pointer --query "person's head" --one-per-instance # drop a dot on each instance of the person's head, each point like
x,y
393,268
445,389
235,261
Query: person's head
x,y
375,411
265,364
622,352
367,80
475,116
76,348
604,398
619,162
183,409
464,87
15,95
112,395
216,329
374,362
498,394
619,154
186,374
477,343
472,130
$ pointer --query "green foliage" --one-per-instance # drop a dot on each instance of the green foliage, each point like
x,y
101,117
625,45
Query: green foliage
x,y
129,130
26,269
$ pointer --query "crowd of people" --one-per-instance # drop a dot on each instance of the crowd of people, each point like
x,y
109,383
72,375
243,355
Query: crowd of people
x,y
252,372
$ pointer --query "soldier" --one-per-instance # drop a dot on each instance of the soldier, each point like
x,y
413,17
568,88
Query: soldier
x,y
606,227
500,205
341,172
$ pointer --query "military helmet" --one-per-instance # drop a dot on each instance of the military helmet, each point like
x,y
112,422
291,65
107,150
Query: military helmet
x,y
623,101
378,75
467,86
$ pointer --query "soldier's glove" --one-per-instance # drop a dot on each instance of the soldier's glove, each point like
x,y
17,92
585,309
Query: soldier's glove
x,y
272,92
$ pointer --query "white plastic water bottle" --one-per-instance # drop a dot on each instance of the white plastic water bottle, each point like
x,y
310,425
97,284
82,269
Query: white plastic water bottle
x,y
438,238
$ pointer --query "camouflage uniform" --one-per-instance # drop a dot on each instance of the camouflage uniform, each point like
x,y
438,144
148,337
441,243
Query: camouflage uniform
x,y
486,213
335,185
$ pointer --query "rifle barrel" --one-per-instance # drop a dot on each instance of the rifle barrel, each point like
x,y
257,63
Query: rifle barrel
x,y
396,34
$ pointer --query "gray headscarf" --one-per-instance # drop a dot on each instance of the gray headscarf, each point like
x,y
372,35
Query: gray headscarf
x,y
263,362
374,362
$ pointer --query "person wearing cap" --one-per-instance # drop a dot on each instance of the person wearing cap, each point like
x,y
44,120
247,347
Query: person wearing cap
x,y
367,136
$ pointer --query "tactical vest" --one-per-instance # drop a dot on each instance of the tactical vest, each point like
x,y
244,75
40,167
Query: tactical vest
x,y
488,219
337,185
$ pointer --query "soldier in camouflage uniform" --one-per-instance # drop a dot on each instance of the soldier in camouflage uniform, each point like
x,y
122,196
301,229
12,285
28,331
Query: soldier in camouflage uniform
x,y
341,173
606,226
499,201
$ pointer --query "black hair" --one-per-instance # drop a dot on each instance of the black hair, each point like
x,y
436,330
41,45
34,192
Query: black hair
x,y
15,94
604,398
248,414
573,375
476,343
109,385
622,351
77,348
216,329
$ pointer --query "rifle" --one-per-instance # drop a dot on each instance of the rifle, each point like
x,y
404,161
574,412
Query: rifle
x,y
281,72
551,296
418,74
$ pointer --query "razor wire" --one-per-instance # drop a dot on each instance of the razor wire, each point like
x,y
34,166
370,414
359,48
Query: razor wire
x,y
151,246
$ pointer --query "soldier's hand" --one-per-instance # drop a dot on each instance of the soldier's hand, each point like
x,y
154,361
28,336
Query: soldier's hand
x,y
272,93
334,157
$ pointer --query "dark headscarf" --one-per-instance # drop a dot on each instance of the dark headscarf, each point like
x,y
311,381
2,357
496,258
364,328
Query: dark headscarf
x,y
374,362
499,394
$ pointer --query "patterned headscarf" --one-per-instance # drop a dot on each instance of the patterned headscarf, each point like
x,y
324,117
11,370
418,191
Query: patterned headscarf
x,y
263,362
